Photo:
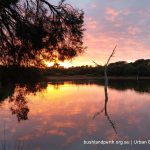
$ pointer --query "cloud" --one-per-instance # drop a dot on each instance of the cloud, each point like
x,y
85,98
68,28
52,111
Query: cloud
x,y
56,132
133,30
112,14
110,22
90,23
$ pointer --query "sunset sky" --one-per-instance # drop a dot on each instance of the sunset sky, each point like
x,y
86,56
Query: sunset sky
x,y
110,22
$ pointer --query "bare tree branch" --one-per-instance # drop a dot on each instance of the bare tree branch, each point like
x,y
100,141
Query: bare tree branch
x,y
112,54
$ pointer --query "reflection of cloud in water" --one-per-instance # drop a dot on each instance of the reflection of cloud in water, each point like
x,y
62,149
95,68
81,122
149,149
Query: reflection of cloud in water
x,y
56,132
62,117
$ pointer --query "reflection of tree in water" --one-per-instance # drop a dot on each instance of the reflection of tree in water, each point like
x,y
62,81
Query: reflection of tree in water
x,y
17,96
104,109
106,93
140,86
56,85
19,105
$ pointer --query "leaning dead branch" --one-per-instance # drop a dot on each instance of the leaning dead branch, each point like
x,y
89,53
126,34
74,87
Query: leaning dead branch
x,y
106,65
112,54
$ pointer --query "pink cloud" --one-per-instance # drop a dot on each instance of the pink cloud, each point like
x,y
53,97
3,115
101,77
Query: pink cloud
x,y
112,14
56,132
133,30
101,43
125,24
91,23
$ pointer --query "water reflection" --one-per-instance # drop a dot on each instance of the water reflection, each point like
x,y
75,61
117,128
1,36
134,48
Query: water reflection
x,y
58,114
19,105
7,89
16,96
16,93
105,110
141,86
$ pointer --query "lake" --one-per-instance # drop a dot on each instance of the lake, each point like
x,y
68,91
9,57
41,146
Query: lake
x,y
66,115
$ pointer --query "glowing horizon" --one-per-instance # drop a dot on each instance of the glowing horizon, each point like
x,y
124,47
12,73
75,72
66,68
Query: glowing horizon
x,y
63,64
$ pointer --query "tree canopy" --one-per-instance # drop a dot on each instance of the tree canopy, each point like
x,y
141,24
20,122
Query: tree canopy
x,y
35,30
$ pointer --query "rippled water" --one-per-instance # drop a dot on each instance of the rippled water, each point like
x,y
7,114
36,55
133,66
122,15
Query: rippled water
x,y
60,116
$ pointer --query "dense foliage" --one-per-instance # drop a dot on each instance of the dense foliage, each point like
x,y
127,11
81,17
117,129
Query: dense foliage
x,y
33,31
138,68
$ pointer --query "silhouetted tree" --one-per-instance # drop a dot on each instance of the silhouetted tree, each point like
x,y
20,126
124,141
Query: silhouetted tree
x,y
35,30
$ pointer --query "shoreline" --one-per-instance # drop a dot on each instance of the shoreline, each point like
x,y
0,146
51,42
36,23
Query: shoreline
x,y
84,77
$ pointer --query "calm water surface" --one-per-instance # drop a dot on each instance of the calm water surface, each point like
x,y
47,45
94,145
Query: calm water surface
x,y
60,116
